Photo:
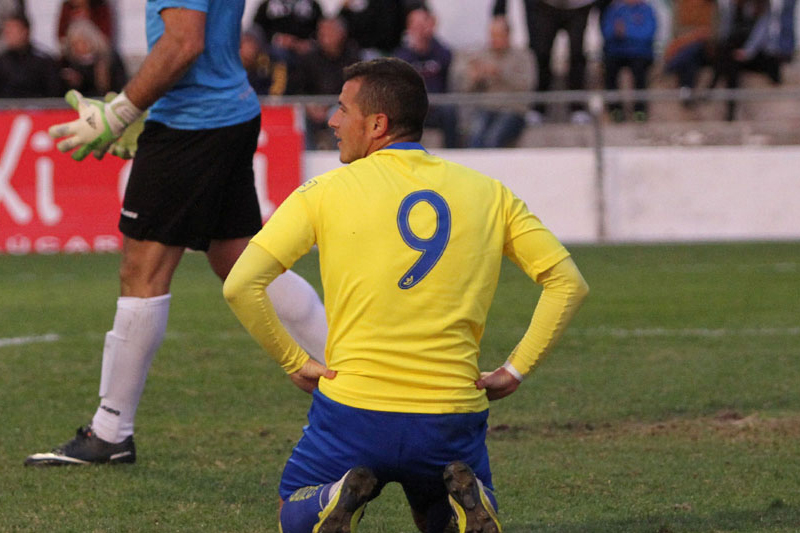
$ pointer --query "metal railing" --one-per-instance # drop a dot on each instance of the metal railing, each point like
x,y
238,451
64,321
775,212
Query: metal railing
x,y
515,98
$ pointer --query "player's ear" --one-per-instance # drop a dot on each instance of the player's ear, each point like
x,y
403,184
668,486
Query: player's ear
x,y
379,125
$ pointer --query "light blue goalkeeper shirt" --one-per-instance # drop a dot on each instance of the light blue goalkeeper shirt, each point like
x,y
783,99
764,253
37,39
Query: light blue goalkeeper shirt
x,y
214,92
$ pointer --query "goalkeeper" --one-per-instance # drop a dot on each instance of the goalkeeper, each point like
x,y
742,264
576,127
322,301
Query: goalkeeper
x,y
191,186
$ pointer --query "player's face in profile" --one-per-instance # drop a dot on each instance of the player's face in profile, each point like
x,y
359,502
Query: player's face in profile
x,y
350,125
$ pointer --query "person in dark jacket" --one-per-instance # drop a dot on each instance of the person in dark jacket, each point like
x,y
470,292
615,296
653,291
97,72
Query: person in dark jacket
x,y
321,71
25,71
288,24
266,72
88,62
377,26
431,58
743,44
545,20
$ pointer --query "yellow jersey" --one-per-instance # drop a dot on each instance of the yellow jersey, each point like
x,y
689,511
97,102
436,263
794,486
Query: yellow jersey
x,y
410,249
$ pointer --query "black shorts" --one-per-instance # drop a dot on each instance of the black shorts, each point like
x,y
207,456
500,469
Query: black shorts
x,y
188,188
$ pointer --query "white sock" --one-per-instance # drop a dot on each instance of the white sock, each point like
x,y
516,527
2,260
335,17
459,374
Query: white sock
x,y
301,312
139,327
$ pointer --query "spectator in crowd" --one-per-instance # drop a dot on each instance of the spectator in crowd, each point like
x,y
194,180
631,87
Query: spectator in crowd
x,y
289,25
743,44
377,26
431,58
496,69
7,9
782,40
89,63
629,28
320,71
545,18
692,45
266,73
97,11
25,71
11,7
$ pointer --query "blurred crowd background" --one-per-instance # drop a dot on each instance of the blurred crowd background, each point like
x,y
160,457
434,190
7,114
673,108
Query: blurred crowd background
x,y
299,47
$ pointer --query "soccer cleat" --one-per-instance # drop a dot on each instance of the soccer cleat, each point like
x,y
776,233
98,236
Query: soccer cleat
x,y
344,510
451,527
86,448
473,510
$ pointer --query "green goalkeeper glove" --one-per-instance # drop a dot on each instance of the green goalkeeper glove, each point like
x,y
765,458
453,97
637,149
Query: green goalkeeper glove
x,y
124,147
98,124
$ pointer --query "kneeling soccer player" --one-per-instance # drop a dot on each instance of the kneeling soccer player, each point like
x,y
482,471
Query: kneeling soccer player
x,y
410,251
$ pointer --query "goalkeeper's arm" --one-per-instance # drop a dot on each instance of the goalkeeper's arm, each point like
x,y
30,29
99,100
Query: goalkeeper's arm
x,y
100,124
172,55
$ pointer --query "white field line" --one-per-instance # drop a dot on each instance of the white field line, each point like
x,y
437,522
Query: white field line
x,y
589,332
17,341
686,332
785,267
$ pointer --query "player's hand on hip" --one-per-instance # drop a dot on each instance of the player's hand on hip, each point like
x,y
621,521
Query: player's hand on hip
x,y
307,378
98,124
498,384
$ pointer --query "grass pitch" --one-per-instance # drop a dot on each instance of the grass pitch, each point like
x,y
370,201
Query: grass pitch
x,y
672,404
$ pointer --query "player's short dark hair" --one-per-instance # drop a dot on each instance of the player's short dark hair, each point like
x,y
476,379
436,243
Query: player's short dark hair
x,y
392,87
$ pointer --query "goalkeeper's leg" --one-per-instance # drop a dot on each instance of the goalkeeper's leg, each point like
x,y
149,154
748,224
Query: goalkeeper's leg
x,y
139,327
138,330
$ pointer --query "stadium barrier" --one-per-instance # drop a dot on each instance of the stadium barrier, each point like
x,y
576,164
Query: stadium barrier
x,y
50,203
594,190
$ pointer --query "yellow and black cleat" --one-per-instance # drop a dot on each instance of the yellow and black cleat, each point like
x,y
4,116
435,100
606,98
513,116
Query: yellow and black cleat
x,y
344,510
473,511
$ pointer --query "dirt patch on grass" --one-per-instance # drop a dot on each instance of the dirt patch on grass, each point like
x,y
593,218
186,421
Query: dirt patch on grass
x,y
727,424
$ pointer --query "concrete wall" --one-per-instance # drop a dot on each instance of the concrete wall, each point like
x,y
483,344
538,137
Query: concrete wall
x,y
709,193
647,194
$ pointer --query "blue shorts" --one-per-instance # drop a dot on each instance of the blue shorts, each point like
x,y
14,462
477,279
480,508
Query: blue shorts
x,y
409,448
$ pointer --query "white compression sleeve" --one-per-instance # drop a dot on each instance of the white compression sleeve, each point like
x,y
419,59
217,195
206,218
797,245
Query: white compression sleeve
x,y
301,312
